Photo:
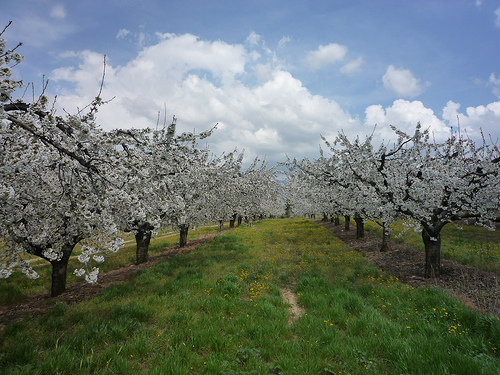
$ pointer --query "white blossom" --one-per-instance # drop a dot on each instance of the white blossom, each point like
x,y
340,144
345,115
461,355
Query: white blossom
x,y
91,278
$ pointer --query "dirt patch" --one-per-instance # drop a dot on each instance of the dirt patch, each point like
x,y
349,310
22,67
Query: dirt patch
x,y
479,290
294,309
41,304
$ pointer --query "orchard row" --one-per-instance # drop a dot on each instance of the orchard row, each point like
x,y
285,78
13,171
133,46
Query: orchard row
x,y
425,183
64,181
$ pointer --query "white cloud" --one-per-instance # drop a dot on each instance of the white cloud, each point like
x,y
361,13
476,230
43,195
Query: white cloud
x,y
475,119
253,39
201,83
495,83
86,78
263,72
352,66
284,41
478,3
497,20
404,115
58,11
122,33
325,55
402,82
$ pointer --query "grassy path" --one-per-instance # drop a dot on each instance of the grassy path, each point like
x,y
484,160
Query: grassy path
x,y
18,287
221,309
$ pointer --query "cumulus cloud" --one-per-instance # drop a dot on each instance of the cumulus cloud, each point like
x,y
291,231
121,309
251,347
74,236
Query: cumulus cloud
x,y
405,115
85,78
204,82
201,82
325,55
475,120
352,66
402,82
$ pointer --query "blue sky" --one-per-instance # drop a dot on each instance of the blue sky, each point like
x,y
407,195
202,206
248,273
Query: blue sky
x,y
274,74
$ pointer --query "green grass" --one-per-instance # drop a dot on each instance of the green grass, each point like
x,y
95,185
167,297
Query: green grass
x,y
218,310
467,244
18,287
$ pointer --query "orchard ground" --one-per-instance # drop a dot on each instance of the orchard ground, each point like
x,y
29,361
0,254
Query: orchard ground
x,y
281,297
478,289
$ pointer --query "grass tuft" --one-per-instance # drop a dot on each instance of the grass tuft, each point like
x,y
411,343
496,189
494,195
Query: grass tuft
x,y
219,310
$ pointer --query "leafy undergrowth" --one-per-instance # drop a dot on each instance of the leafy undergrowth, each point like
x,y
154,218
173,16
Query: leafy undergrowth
x,y
219,310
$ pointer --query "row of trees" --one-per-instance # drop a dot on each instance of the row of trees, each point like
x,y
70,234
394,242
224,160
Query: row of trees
x,y
64,181
423,182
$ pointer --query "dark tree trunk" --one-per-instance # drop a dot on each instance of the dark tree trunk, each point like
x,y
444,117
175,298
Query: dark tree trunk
x,y
337,220
325,217
142,239
221,225
240,219
232,220
183,234
59,271
360,227
347,222
432,242
386,235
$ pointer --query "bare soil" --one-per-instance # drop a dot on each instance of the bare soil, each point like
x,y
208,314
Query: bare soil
x,y
477,289
294,309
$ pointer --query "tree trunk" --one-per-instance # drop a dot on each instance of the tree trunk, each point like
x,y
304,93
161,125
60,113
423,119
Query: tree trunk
x,y
432,253
59,271
360,227
142,239
336,220
183,234
232,220
347,222
221,225
386,235
240,219
325,217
